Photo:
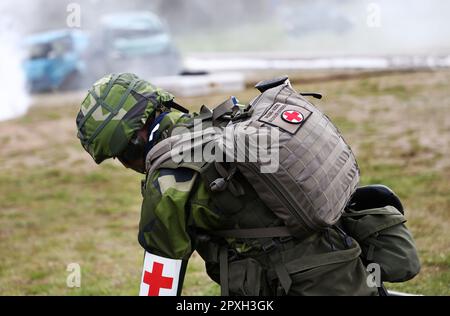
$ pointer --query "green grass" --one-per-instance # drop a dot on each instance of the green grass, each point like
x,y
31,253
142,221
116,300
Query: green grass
x,y
58,207
375,88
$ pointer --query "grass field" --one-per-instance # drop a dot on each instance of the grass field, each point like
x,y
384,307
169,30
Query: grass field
x,y
58,207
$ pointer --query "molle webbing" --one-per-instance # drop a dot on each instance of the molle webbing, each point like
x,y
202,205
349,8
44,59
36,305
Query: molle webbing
x,y
317,171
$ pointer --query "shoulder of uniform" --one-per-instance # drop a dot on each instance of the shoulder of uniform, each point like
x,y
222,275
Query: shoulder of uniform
x,y
180,174
180,179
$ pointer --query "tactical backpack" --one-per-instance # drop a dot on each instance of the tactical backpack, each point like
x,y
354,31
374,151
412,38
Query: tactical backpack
x,y
317,171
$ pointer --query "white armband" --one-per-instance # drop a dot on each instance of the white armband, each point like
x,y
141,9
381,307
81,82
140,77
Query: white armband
x,y
160,276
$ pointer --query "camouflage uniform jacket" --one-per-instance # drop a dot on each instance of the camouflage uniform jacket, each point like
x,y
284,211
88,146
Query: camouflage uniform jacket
x,y
179,210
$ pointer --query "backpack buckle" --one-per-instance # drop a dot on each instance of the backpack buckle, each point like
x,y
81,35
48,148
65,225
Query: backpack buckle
x,y
285,239
268,247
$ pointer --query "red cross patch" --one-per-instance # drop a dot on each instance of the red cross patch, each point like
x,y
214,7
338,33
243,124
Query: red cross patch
x,y
160,276
292,116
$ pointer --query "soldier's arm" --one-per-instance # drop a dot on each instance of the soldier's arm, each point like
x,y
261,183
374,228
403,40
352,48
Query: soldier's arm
x,y
163,231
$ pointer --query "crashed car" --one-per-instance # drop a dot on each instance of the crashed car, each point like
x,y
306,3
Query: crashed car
x,y
55,60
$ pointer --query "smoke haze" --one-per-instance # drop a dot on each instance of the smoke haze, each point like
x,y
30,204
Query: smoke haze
x,y
306,28
14,98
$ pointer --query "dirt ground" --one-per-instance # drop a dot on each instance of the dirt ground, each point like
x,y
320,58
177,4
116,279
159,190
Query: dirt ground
x,y
58,207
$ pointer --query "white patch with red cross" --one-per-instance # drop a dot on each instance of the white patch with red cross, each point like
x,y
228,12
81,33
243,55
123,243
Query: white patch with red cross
x,y
160,276
289,118
292,116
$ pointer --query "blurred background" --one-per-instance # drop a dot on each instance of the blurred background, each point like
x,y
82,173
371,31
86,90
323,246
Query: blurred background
x,y
383,67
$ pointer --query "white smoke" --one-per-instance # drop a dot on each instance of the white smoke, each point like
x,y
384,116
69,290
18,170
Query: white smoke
x,y
14,99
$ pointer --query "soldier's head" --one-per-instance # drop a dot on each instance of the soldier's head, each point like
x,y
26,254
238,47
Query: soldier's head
x,y
114,118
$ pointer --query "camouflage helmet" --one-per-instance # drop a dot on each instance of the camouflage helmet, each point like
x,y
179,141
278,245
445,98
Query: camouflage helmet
x,y
115,108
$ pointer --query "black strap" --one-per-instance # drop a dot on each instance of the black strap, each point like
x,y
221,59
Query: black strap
x,y
280,270
263,232
173,105
272,250
382,291
205,114
223,262
225,107
312,94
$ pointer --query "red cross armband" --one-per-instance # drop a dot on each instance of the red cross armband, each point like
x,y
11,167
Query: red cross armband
x,y
160,276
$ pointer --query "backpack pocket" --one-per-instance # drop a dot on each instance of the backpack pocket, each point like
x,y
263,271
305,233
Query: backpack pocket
x,y
385,240
326,265
334,278
247,278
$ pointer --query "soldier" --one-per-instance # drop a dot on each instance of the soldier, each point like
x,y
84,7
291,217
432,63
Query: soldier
x,y
124,117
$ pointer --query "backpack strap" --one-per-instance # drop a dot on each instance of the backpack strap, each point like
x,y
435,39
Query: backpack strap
x,y
273,251
250,233
173,105
271,248
312,94
162,151
223,266
224,108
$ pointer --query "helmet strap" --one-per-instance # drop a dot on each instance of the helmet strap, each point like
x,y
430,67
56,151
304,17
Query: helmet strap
x,y
153,133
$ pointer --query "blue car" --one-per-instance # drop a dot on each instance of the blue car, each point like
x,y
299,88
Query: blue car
x,y
55,60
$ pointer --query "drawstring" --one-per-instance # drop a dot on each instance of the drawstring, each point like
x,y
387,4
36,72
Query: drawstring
x,y
327,235
347,240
